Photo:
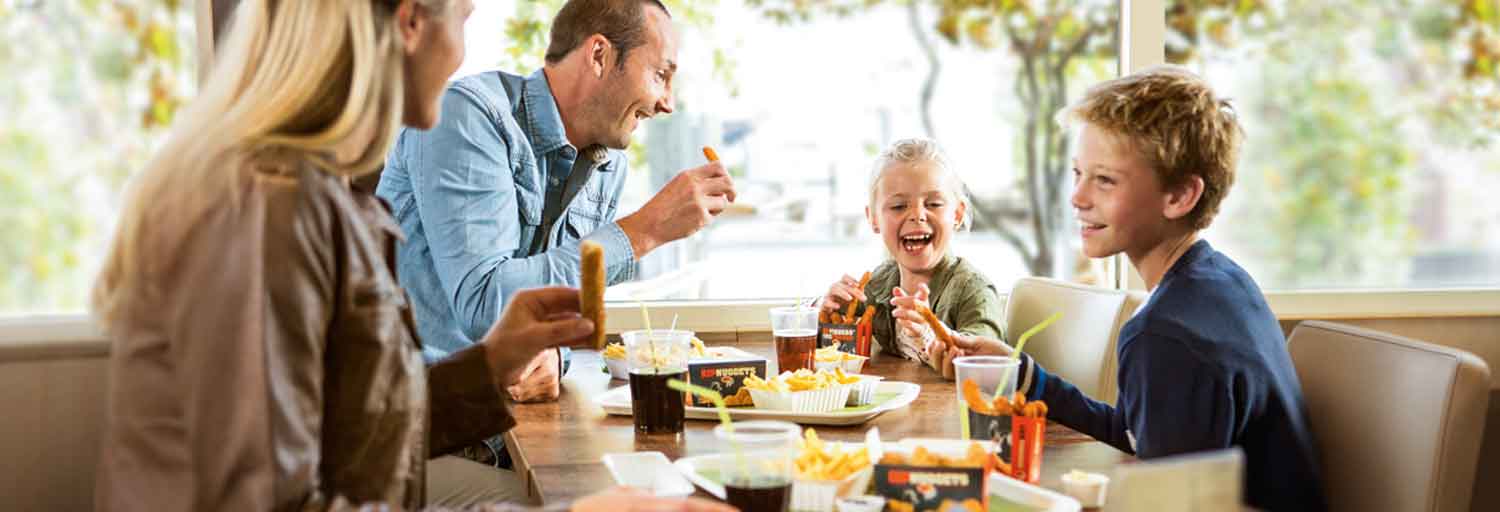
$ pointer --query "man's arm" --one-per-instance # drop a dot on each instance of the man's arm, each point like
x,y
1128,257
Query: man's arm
x,y
464,188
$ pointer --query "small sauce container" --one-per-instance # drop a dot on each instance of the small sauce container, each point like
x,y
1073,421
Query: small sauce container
x,y
1088,488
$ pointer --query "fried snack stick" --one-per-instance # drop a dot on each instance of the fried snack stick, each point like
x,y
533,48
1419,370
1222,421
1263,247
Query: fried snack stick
x,y
591,293
937,327
868,316
710,154
849,316
975,399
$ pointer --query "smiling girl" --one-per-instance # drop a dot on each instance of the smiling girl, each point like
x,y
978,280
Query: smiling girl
x,y
917,205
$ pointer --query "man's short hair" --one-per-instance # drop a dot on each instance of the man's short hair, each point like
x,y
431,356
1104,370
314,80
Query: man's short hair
x,y
622,22
1173,119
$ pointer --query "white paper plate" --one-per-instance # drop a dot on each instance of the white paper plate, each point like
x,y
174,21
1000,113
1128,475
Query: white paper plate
x,y
617,402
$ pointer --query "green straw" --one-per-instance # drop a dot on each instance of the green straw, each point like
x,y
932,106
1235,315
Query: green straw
x,y
708,394
718,400
1021,344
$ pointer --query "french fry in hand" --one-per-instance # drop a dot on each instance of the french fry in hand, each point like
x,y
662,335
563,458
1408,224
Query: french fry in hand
x,y
591,293
937,326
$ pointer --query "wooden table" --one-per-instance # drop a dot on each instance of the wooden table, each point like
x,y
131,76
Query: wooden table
x,y
557,446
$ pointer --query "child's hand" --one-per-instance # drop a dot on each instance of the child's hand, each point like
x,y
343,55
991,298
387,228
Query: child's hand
x,y
941,358
843,291
908,319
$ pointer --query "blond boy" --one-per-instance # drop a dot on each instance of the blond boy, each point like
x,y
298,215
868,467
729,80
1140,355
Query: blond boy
x,y
1203,363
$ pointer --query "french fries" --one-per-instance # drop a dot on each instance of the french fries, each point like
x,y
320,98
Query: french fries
x,y
801,380
614,351
831,354
698,349
710,154
817,461
591,293
937,326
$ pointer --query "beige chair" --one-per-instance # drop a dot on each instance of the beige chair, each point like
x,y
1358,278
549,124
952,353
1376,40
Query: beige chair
x,y
1398,421
52,396
1081,347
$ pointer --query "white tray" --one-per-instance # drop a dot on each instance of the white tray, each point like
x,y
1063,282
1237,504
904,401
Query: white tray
x,y
617,401
700,470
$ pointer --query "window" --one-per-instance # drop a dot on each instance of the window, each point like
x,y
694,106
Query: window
x,y
799,97
1370,155
1371,133
90,88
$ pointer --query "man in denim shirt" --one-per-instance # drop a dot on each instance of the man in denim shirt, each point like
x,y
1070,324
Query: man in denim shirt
x,y
497,197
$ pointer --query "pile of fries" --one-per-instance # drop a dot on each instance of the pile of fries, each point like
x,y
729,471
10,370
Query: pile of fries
x,y
831,354
801,380
818,461
1001,406
853,313
614,351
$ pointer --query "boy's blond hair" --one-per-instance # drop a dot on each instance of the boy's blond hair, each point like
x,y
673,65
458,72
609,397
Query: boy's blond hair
x,y
922,150
1173,119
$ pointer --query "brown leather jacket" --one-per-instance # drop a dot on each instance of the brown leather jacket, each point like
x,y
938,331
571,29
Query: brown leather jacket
x,y
275,366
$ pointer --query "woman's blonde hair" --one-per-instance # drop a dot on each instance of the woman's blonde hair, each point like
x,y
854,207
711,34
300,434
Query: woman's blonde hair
x,y
294,76
922,150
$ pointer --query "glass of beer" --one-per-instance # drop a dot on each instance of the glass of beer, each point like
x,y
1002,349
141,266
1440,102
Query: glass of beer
x,y
796,331
654,359
758,472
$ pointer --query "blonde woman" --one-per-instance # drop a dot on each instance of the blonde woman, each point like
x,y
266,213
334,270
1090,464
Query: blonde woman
x,y
264,356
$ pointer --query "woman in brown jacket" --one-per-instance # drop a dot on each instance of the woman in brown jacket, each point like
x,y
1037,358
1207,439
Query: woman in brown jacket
x,y
264,356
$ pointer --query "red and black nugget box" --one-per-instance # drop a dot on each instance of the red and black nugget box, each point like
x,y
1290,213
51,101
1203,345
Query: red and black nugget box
x,y
932,487
724,370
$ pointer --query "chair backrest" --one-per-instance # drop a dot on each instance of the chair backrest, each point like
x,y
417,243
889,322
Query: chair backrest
x,y
1080,347
52,400
1398,421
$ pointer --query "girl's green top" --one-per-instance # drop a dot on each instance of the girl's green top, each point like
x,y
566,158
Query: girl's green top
x,y
961,297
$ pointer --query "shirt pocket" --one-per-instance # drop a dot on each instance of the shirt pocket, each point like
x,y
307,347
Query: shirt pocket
x,y
368,350
583,219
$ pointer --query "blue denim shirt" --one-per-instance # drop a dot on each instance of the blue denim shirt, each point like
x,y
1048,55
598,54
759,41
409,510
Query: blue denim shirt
x,y
470,193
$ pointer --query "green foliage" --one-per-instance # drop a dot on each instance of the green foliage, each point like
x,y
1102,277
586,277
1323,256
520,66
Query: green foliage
x,y
526,37
90,87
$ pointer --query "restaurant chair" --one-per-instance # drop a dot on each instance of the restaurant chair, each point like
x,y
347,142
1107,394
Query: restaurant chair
x,y
1081,347
1398,421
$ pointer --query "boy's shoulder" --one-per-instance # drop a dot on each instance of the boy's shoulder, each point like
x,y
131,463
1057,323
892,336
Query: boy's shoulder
x,y
1208,304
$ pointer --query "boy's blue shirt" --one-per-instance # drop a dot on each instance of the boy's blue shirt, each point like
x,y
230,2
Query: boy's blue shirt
x,y
1203,366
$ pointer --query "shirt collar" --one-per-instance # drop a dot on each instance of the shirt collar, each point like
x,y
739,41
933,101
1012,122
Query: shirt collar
x,y
545,125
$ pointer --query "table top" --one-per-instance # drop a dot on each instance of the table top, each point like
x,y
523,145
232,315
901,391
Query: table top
x,y
558,445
